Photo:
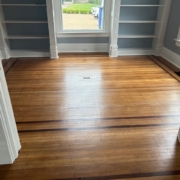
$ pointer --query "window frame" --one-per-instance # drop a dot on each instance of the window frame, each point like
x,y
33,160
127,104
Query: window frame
x,y
60,32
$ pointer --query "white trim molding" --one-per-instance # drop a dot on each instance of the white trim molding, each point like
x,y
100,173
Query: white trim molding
x,y
89,33
113,47
179,135
3,45
177,42
134,52
170,56
83,48
9,139
7,153
52,29
113,50
178,39
160,29
5,157
5,53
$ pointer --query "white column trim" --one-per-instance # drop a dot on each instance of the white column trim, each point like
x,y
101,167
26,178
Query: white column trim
x,y
177,41
179,135
52,29
161,28
3,45
9,139
170,56
113,49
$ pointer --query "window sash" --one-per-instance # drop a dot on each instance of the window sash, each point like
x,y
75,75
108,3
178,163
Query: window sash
x,y
59,24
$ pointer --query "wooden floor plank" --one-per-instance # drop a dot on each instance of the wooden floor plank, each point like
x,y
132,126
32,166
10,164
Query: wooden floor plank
x,y
120,123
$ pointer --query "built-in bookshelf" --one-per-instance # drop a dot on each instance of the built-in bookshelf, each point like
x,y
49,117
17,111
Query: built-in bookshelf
x,y
24,27
137,22
141,26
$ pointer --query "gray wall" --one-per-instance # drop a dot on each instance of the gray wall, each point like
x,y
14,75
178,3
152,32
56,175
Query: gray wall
x,y
82,40
173,27
135,43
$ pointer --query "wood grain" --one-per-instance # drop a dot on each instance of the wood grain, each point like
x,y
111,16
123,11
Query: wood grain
x,y
121,123
169,64
8,64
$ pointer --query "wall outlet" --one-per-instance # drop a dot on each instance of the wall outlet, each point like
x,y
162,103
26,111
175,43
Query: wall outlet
x,y
86,77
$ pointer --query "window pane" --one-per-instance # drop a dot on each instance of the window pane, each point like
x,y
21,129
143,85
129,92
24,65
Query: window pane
x,y
83,14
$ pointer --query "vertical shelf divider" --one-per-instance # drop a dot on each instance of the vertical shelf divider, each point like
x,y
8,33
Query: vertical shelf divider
x,y
52,29
160,29
113,51
4,44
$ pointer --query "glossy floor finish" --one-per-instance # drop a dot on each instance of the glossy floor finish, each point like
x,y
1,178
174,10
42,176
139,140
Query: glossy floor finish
x,y
94,117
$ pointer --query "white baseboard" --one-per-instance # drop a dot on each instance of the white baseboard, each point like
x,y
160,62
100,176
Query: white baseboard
x,y
113,51
83,48
30,53
54,52
170,56
134,52
5,54
5,157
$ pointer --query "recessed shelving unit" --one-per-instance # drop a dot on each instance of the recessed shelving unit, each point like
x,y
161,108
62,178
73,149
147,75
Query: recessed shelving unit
x,y
25,32
140,22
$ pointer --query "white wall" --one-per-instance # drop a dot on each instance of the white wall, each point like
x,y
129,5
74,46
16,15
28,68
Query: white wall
x,y
9,139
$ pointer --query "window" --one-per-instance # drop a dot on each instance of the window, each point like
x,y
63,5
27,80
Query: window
x,y
82,16
178,39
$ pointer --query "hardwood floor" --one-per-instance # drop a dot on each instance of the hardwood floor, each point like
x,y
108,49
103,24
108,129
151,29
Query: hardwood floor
x,y
8,63
94,117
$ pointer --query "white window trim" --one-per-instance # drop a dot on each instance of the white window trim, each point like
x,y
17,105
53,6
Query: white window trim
x,y
82,33
178,39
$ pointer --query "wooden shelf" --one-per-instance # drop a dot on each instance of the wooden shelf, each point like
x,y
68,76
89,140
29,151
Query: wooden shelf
x,y
136,49
139,21
26,37
137,36
29,53
22,4
142,5
24,21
